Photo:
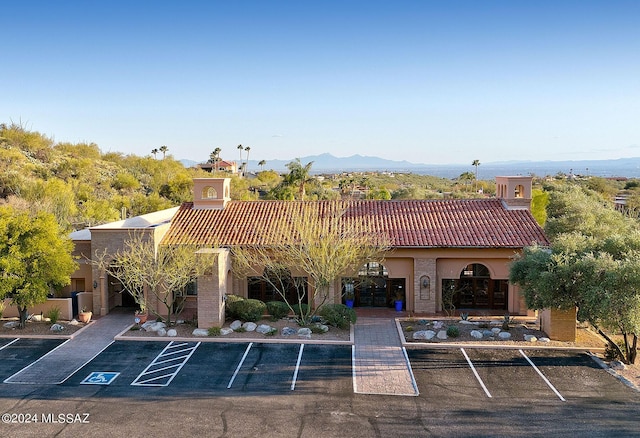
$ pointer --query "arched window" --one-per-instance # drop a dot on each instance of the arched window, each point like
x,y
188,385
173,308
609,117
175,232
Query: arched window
x,y
475,289
519,192
209,193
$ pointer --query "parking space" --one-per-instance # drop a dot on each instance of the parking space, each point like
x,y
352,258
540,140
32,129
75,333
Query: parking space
x,y
221,368
524,375
16,354
455,374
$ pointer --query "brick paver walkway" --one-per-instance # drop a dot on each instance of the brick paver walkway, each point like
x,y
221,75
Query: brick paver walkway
x,y
380,364
59,364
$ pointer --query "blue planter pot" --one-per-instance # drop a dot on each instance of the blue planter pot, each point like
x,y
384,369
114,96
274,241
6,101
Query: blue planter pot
x,y
349,303
399,305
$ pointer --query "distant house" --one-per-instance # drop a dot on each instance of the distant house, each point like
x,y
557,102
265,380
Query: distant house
x,y
462,247
221,166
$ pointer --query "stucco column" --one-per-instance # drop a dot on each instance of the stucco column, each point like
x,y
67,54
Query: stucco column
x,y
425,286
212,287
104,295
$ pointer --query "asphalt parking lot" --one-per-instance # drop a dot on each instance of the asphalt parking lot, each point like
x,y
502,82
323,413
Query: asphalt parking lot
x,y
261,368
242,389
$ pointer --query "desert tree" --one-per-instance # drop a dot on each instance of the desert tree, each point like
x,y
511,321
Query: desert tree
x,y
163,271
35,258
310,248
593,264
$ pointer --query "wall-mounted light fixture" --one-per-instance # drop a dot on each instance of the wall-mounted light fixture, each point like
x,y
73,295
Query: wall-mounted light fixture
x,y
95,284
425,287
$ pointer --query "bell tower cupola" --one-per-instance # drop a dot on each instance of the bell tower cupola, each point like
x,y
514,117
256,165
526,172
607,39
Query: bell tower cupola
x,y
211,193
514,191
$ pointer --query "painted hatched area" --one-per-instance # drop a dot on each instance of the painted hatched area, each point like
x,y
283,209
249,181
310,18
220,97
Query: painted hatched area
x,y
166,365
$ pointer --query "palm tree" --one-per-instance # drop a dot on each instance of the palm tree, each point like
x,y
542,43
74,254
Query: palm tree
x,y
476,163
164,150
247,149
298,175
240,148
154,152
261,163
214,157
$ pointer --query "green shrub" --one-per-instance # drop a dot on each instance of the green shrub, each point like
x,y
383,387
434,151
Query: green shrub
x,y
134,328
2,307
271,332
53,314
250,310
300,309
277,309
214,331
453,331
338,315
316,329
232,306
409,328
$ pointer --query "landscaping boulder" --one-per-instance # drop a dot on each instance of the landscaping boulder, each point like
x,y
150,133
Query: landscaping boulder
x,y
250,326
172,333
437,325
235,325
264,329
487,333
322,327
226,331
56,328
530,338
442,334
11,324
617,365
153,326
304,332
496,330
288,331
476,334
161,331
200,332
424,334
504,335
544,339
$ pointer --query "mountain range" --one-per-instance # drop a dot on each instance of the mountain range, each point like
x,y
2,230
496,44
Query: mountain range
x,y
327,163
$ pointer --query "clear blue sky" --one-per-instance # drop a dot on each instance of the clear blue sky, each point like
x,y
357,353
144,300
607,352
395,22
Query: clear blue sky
x,y
431,82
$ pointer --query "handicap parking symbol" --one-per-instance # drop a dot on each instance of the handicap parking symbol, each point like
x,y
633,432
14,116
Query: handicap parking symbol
x,y
99,378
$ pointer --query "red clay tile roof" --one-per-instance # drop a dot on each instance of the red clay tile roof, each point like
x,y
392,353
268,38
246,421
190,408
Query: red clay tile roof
x,y
473,223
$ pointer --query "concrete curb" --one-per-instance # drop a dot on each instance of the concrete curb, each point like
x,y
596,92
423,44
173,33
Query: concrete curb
x,y
606,367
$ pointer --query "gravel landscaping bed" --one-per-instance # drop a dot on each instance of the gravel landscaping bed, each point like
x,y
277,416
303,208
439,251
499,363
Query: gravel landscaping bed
x,y
186,330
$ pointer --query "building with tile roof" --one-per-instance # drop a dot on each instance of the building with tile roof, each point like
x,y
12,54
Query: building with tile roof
x,y
444,252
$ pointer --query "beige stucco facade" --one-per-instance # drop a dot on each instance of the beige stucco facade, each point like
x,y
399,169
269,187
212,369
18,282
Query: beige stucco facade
x,y
420,271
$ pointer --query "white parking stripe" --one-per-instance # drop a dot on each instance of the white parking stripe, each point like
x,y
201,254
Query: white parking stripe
x,y
486,391
413,379
295,373
5,346
542,375
239,365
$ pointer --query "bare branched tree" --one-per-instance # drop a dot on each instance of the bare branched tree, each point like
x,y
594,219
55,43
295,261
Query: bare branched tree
x,y
310,250
164,271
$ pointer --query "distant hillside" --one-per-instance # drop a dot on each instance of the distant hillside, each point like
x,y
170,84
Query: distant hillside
x,y
327,163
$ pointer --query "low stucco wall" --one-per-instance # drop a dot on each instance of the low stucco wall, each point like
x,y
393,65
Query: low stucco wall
x,y
559,325
64,304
